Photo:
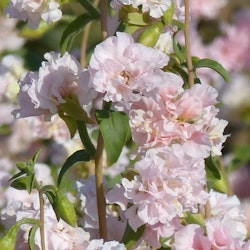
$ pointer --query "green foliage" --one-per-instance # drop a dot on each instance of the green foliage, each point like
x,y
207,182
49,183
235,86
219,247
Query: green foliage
x,y
130,237
115,130
90,8
168,15
194,219
73,29
32,233
8,241
35,33
25,178
241,156
150,35
78,156
63,208
208,63
215,179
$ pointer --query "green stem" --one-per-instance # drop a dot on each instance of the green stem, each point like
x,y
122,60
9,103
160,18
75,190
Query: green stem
x,y
84,135
187,46
42,235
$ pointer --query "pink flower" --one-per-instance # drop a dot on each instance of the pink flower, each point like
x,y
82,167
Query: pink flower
x,y
168,183
156,9
118,66
34,11
108,245
58,78
58,235
172,115
191,237
222,234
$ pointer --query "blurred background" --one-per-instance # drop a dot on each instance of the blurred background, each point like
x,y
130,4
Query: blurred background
x,y
220,31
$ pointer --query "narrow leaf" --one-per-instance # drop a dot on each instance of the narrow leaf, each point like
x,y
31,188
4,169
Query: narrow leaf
x,y
74,29
115,130
24,183
80,155
208,63
32,233
90,8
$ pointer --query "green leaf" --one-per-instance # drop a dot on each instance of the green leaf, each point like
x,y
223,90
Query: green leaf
x,y
88,145
73,29
8,241
130,237
24,183
80,155
32,233
115,130
168,15
215,180
90,8
70,122
136,18
179,50
208,63
194,219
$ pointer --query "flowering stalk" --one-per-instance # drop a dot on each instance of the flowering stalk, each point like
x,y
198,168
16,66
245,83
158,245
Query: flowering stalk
x,y
187,45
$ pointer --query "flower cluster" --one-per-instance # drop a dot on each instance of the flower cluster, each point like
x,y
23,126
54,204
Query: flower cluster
x,y
34,11
156,128
224,230
58,78
156,9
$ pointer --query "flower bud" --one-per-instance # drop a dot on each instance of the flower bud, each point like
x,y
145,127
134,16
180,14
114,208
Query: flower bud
x,y
150,36
64,209
8,241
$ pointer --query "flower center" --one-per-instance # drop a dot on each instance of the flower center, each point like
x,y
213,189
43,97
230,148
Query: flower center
x,y
126,75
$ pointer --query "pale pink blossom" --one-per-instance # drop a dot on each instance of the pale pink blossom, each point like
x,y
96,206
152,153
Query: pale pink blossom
x,y
41,93
108,245
86,193
34,11
156,9
58,234
175,115
168,183
55,128
118,66
222,234
191,237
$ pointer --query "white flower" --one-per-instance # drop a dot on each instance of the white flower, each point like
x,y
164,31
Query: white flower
x,y
34,11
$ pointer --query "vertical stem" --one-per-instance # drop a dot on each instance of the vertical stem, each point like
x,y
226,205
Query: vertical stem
x,y
101,203
41,203
85,39
187,45
104,19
